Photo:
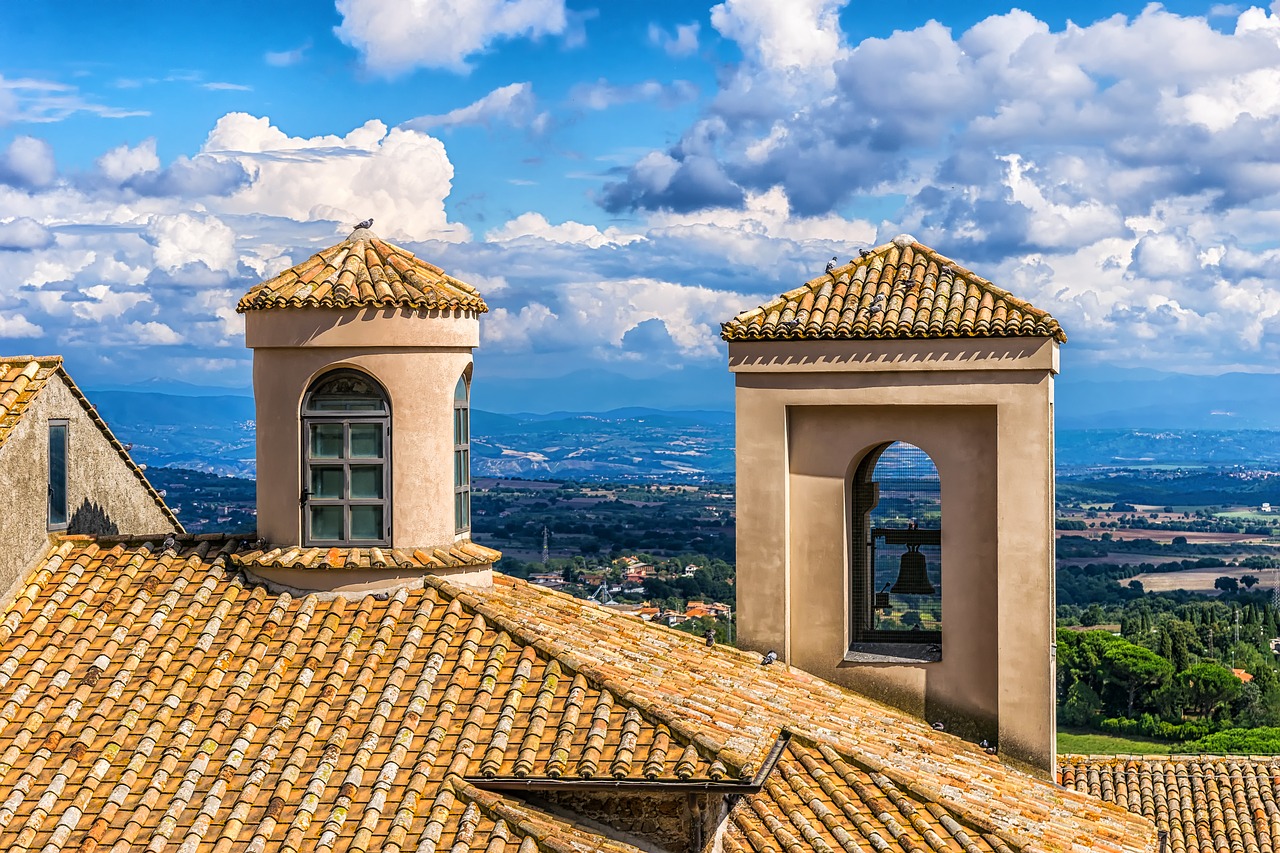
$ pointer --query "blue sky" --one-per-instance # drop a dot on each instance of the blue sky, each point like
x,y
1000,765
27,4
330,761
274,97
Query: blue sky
x,y
618,178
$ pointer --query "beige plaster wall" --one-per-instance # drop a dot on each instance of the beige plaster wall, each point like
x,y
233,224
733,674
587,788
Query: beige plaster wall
x,y
291,349
801,432
103,495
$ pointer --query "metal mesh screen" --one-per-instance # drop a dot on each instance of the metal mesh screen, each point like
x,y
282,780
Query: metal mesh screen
x,y
902,572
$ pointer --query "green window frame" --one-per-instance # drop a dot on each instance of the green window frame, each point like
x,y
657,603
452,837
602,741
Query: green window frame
x,y
462,455
59,445
346,461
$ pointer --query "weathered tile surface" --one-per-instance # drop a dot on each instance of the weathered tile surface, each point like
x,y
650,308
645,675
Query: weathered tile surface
x,y
162,700
364,271
23,377
1206,804
457,555
899,290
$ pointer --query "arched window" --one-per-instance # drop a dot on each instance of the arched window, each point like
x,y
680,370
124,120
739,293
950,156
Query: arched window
x,y
462,455
346,455
897,557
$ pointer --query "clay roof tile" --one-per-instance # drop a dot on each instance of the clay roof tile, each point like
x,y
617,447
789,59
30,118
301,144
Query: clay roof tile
x,y
363,271
925,295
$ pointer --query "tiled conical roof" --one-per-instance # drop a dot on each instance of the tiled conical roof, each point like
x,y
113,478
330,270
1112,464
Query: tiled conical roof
x,y
364,271
899,290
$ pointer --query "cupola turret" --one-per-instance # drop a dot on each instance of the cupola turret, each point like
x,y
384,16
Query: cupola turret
x,y
362,362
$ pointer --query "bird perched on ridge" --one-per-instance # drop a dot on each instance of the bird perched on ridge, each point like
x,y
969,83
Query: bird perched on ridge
x,y
940,727
862,253
831,264
769,658
368,223
169,542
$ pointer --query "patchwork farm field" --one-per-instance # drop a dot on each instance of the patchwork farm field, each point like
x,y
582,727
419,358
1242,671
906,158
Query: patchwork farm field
x,y
1198,580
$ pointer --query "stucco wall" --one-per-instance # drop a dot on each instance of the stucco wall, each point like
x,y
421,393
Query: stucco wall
x,y
805,418
103,494
291,348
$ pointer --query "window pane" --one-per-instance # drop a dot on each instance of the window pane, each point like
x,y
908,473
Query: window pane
x,y
460,390
366,481
326,522
326,481
466,469
366,441
466,426
457,510
57,475
457,426
366,522
326,441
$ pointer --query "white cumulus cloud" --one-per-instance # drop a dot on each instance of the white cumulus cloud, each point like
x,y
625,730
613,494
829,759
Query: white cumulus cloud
x,y
393,38
400,177
536,225
514,104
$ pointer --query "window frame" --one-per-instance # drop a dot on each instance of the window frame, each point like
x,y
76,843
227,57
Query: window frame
x,y
312,417
65,425
462,455
867,643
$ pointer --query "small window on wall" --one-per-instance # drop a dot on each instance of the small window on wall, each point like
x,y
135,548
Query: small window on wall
x,y
462,455
57,474
346,455
897,554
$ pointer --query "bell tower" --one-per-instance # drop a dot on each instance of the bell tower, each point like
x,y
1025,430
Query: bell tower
x,y
362,369
895,491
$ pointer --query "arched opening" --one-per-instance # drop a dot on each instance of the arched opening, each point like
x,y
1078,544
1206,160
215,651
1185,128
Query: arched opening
x,y
346,471
897,553
462,453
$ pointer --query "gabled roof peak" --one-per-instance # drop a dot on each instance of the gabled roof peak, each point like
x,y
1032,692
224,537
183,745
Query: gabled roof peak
x,y
901,289
24,377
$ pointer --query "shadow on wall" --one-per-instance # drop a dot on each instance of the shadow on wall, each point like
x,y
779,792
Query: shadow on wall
x,y
92,520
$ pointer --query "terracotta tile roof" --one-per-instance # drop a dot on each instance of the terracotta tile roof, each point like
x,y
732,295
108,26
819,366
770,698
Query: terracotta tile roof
x,y
459,554
818,798
157,699
1206,804
740,706
899,290
361,271
23,377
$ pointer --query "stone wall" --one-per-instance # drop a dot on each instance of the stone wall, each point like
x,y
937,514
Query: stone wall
x,y
675,822
104,496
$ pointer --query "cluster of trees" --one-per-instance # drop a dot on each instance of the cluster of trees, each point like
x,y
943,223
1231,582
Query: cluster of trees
x,y
1168,674
1115,685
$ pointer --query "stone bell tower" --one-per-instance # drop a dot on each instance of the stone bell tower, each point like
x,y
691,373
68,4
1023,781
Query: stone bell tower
x,y
895,491
362,363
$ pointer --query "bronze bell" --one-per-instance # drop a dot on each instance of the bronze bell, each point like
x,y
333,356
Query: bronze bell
x,y
913,576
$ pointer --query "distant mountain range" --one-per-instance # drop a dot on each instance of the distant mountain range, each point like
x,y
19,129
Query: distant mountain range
x,y
599,425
